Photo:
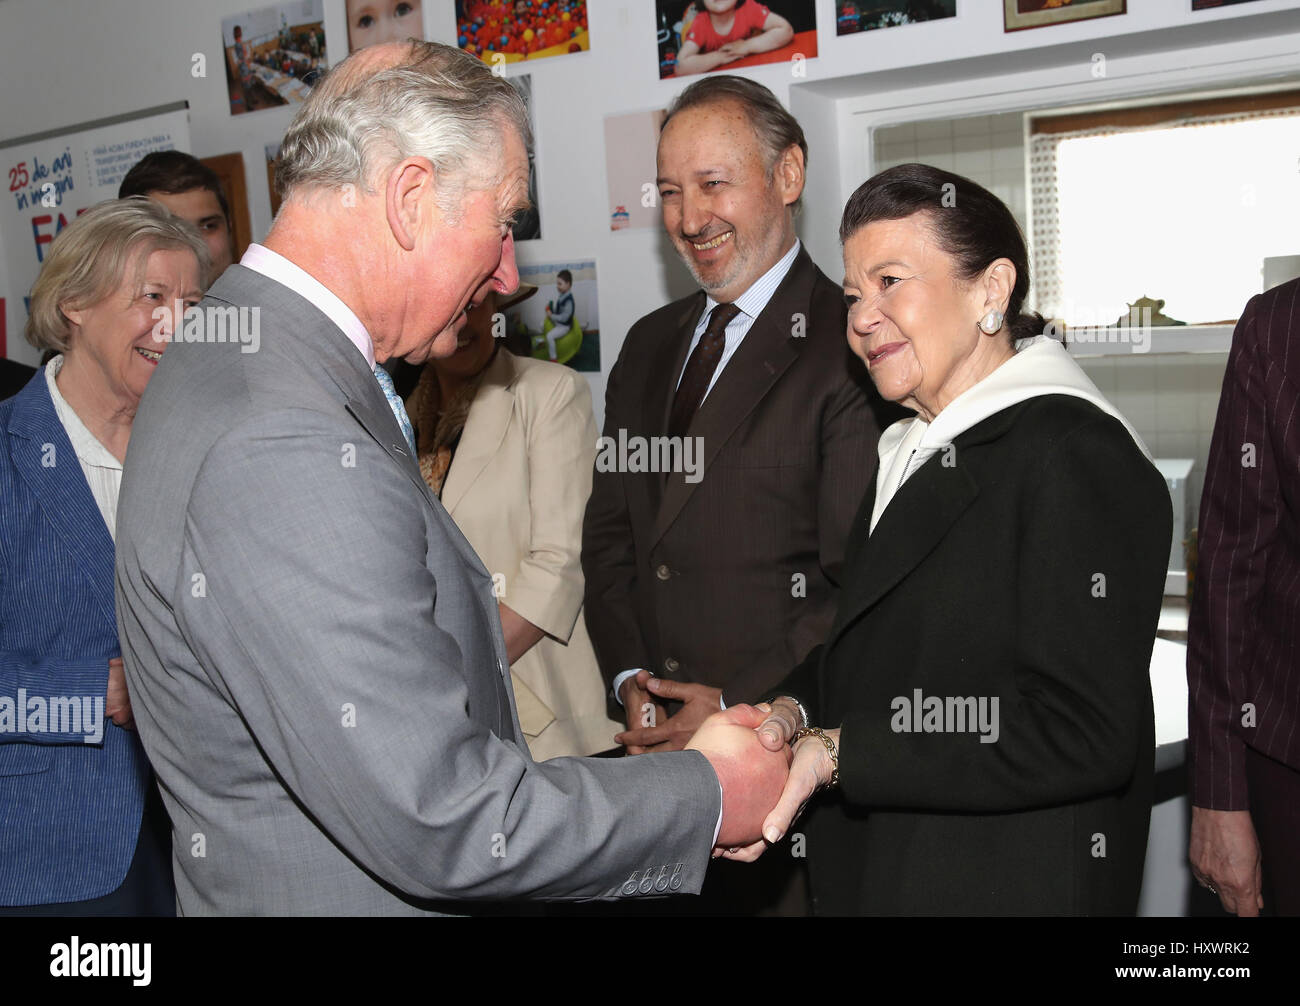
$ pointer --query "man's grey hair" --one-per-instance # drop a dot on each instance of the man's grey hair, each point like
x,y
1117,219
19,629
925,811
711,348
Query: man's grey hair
x,y
777,129
439,102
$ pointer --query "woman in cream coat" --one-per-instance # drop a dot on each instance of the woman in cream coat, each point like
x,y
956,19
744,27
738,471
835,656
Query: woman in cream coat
x,y
508,443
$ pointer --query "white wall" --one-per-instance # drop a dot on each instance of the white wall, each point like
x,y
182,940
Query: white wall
x,y
78,60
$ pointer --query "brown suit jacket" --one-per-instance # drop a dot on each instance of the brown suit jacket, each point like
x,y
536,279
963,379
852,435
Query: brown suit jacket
x,y
731,580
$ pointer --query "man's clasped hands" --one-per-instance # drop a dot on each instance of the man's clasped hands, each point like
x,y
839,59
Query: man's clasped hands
x,y
766,783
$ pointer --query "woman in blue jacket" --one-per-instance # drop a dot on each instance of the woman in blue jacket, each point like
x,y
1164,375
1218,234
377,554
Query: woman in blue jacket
x,y
78,830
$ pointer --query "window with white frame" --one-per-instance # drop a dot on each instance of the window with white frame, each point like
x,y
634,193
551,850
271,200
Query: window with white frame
x,y
1180,204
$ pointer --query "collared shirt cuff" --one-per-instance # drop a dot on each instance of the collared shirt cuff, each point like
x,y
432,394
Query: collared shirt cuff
x,y
620,678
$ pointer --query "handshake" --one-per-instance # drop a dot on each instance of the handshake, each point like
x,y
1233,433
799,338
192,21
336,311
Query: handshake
x,y
765,782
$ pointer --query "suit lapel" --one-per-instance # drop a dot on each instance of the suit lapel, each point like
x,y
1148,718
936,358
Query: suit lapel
x,y
766,352
916,520
485,428
324,343
378,421
61,491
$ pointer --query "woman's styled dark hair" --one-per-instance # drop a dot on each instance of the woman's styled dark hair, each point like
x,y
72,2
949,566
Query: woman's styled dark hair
x,y
970,223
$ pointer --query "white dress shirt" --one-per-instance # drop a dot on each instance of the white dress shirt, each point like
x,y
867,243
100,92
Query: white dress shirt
x,y
275,266
103,472
751,304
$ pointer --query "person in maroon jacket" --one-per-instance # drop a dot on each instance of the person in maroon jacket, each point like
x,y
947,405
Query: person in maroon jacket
x,y
1242,674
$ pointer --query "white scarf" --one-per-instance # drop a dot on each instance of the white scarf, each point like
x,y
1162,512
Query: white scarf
x,y
1040,366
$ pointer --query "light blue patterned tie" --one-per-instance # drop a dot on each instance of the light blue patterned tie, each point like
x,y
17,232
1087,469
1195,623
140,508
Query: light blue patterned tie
x,y
395,403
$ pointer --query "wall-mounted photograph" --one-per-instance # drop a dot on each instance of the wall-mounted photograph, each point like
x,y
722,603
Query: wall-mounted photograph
x,y
700,36
373,21
273,55
512,30
868,15
556,318
631,144
1020,14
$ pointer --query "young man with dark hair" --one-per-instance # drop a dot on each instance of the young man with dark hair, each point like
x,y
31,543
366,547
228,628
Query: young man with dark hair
x,y
191,190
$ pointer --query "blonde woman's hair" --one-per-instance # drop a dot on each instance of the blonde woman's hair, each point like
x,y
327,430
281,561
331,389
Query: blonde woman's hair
x,y
90,257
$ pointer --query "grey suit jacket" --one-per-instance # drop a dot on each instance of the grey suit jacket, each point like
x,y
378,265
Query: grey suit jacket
x,y
316,663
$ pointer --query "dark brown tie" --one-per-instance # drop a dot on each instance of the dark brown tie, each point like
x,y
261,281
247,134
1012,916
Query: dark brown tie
x,y
700,369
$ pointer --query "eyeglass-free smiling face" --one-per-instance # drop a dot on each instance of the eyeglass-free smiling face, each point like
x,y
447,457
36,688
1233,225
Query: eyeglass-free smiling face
x,y
913,320
723,210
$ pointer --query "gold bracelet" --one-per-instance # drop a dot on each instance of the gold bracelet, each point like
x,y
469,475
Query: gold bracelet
x,y
821,735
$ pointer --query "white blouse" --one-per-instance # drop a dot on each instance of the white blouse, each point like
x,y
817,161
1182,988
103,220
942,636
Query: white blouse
x,y
103,472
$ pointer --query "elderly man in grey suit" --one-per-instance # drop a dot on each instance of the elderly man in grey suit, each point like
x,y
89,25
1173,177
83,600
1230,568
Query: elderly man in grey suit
x,y
313,650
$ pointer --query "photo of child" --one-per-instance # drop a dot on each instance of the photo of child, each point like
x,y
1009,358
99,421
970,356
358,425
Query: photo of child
x,y
511,30
560,312
706,35
564,328
373,21
274,55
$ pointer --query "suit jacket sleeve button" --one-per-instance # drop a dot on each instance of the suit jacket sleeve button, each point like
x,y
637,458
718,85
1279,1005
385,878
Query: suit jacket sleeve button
x,y
663,572
671,665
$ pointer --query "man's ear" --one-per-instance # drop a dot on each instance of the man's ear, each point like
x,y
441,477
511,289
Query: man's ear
x,y
788,173
409,181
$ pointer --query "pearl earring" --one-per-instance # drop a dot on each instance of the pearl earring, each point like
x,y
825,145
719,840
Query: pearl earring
x,y
991,322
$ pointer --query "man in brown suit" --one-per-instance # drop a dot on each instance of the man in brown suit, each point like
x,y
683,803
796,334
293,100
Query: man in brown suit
x,y
705,585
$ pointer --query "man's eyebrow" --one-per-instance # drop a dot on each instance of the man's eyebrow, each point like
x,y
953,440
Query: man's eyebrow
x,y
210,218
701,173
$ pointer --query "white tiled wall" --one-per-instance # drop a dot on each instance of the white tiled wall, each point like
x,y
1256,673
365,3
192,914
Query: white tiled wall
x,y
988,149
1170,399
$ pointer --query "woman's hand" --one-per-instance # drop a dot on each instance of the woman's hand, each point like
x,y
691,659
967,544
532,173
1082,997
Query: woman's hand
x,y
117,701
810,770
520,634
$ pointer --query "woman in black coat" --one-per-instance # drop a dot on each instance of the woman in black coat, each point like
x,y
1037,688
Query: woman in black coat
x,y
985,682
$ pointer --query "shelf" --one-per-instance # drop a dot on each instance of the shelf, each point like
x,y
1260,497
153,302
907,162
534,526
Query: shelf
x,y
1149,342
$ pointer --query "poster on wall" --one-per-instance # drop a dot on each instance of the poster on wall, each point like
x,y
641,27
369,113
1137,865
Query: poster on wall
x,y
560,322
506,31
869,15
1019,14
699,36
528,225
373,21
52,178
273,55
631,146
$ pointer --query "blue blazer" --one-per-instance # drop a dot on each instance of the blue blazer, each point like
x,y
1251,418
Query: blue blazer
x,y
70,809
